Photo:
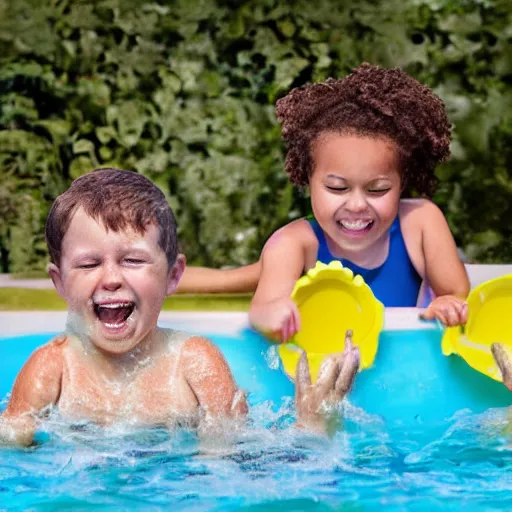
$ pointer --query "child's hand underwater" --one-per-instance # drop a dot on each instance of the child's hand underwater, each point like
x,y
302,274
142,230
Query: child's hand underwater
x,y
448,309
317,404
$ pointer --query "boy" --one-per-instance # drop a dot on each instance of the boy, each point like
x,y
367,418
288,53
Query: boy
x,y
114,258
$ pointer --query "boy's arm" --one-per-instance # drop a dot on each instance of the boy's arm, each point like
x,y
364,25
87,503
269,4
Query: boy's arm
x,y
444,270
36,387
210,378
212,280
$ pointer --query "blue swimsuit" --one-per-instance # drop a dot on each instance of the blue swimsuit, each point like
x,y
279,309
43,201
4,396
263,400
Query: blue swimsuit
x,y
395,282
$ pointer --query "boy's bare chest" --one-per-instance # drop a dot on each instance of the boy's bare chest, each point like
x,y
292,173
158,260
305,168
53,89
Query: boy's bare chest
x,y
156,395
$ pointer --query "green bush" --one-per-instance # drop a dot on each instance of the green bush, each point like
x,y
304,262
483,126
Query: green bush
x,y
183,92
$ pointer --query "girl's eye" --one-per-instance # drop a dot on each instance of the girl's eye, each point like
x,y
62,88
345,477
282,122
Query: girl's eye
x,y
336,189
379,191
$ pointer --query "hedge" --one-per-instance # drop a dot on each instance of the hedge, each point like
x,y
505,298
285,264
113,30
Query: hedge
x,y
183,92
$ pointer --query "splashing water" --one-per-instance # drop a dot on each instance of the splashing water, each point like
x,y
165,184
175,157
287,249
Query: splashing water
x,y
270,465
271,356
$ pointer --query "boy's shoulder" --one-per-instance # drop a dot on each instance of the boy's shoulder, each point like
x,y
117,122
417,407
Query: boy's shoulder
x,y
192,347
208,374
38,382
199,346
48,358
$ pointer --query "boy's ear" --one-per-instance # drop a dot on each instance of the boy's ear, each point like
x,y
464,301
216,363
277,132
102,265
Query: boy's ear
x,y
175,273
54,273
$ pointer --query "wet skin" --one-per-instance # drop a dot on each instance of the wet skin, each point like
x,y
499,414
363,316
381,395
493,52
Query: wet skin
x,y
503,357
115,365
317,404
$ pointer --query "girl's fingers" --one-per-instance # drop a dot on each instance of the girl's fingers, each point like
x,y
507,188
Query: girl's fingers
x,y
285,327
290,327
428,314
463,315
441,317
293,324
449,310
284,331
451,314
457,312
296,317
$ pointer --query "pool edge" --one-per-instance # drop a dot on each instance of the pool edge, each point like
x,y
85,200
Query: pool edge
x,y
22,323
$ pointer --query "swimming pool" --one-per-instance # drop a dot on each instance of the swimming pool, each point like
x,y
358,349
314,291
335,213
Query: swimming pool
x,y
422,432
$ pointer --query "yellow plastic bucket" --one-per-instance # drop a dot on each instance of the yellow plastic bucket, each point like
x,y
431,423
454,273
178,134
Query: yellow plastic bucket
x,y
332,300
489,321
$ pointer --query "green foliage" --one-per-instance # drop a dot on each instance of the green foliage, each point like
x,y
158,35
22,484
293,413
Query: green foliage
x,y
183,92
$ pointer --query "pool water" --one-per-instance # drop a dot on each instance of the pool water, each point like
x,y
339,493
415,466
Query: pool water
x,y
373,464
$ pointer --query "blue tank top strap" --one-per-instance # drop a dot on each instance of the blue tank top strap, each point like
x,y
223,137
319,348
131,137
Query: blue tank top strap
x,y
395,283
324,255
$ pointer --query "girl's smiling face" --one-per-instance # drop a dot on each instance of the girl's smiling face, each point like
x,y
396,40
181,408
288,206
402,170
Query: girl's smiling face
x,y
114,283
355,194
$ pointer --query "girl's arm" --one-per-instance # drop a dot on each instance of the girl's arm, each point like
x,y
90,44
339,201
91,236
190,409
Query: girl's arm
x,y
282,262
212,280
444,270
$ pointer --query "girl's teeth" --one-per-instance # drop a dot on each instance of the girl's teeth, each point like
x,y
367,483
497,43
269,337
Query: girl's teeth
x,y
356,225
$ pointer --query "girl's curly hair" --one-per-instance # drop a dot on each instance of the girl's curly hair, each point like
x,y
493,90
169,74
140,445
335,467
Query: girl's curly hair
x,y
371,101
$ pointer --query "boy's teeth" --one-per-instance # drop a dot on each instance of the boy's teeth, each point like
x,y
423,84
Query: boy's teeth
x,y
356,225
116,305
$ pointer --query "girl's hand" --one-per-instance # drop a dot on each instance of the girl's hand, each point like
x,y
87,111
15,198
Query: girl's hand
x,y
278,319
448,309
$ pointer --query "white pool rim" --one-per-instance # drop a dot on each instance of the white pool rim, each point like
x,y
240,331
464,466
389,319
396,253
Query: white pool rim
x,y
22,323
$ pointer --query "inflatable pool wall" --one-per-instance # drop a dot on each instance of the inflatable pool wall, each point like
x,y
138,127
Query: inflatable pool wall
x,y
411,384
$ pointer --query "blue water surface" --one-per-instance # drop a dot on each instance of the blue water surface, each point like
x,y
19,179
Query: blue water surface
x,y
269,465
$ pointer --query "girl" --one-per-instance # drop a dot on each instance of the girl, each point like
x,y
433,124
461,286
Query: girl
x,y
360,143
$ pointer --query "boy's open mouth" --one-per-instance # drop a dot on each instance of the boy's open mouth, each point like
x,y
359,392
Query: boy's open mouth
x,y
114,314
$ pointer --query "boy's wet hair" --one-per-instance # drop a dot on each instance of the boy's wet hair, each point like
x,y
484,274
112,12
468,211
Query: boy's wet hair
x,y
120,200
371,101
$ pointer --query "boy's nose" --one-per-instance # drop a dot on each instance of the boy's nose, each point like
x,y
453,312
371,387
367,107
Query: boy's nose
x,y
112,278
